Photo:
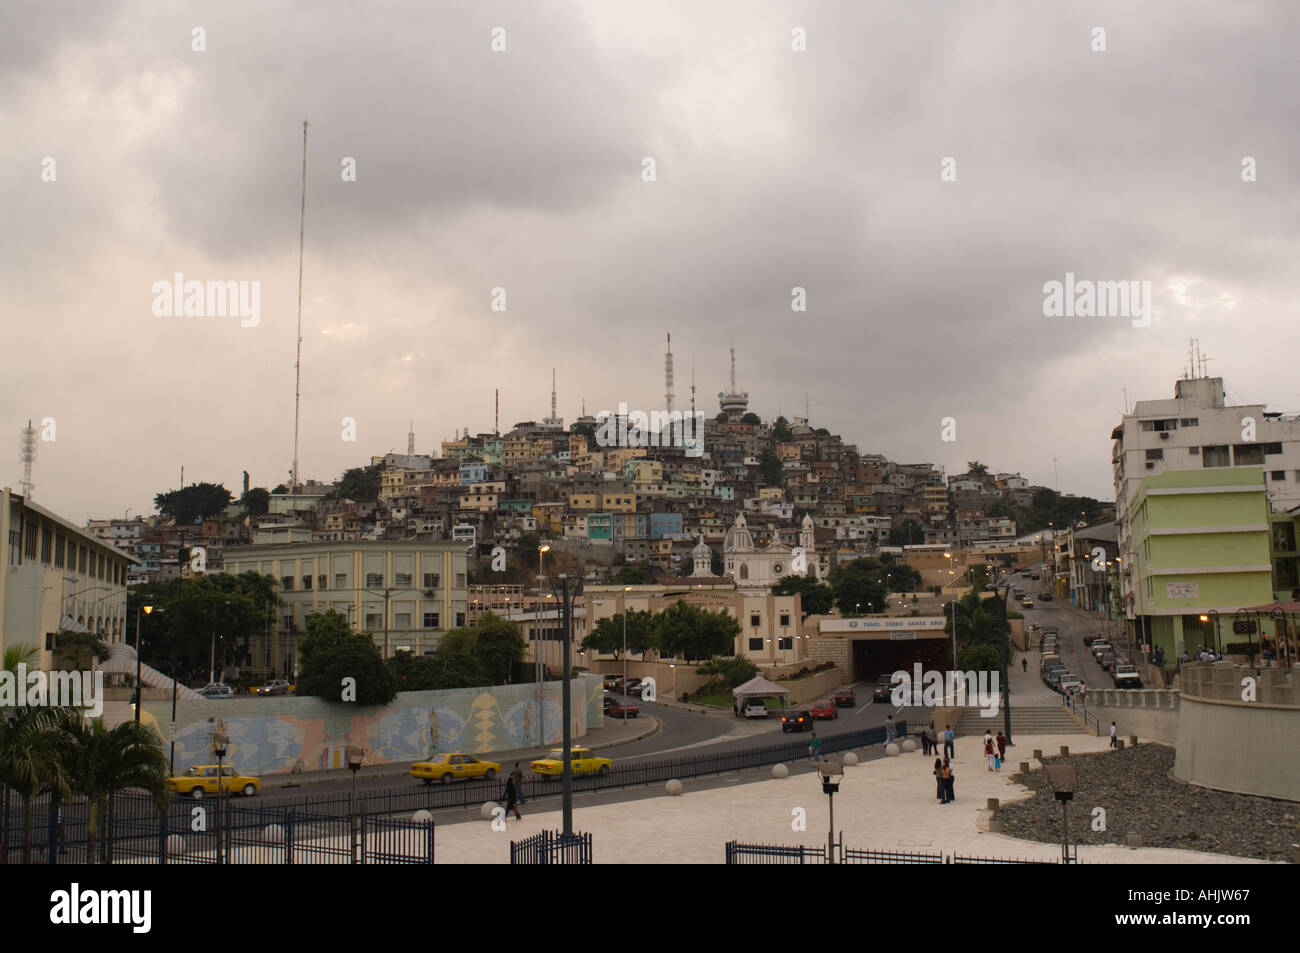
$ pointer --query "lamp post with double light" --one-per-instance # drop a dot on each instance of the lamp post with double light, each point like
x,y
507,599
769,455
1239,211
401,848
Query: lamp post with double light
x,y
355,754
220,746
831,772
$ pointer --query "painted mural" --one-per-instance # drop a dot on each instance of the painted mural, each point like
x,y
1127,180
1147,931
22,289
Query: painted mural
x,y
286,735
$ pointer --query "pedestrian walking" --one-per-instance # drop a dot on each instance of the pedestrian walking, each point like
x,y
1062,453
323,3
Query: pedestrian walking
x,y
890,729
512,798
948,778
815,749
517,775
938,780
934,738
1001,742
1024,663
925,741
949,736
1114,734
988,750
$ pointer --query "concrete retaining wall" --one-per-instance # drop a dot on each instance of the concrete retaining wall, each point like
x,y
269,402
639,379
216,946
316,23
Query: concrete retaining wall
x,y
1147,713
277,735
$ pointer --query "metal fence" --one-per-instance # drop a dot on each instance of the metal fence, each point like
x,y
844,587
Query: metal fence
x,y
738,853
552,847
213,831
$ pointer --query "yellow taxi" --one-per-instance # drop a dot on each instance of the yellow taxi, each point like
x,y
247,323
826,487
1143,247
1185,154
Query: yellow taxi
x,y
581,760
202,779
448,767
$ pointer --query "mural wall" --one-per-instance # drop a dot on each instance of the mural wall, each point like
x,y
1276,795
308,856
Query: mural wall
x,y
280,735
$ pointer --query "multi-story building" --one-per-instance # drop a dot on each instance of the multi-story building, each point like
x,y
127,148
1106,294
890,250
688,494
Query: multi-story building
x,y
404,592
57,576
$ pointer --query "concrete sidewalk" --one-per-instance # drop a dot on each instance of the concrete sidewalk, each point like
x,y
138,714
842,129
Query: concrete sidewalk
x,y
884,804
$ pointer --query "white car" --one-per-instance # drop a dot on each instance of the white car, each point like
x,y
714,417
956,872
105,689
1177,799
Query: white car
x,y
217,690
754,708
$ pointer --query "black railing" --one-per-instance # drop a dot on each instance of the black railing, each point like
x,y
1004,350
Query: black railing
x,y
738,853
552,847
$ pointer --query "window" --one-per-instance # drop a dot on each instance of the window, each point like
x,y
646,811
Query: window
x,y
1248,454
431,620
402,579
460,619
58,551
322,581
1189,422
374,620
785,644
1277,475
756,645
755,620
432,580
402,620
1194,450
374,579
1155,454
785,618
286,583
1158,426
340,580
47,544
460,580
306,583
1215,456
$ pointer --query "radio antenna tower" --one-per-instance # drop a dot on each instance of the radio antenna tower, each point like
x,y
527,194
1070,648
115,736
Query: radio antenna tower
x,y
297,363
27,454
668,375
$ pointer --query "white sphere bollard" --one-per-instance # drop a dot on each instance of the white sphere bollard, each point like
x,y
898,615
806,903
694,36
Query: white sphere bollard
x,y
175,843
891,749
780,771
673,787
909,745
850,758
486,810
422,817
274,834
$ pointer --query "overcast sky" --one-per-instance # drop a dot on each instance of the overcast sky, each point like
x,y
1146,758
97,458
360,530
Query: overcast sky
x,y
523,170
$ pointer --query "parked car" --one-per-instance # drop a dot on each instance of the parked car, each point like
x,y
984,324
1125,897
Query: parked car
x,y
1106,660
277,686
884,690
1027,602
581,760
217,690
1044,597
622,710
1126,676
754,708
633,687
202,779
453,766
1068,680
1035,576
1050,630
845,698
1054,678
824,710
796,720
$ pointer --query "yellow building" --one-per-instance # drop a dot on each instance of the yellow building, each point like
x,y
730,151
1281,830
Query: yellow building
x,y
623,502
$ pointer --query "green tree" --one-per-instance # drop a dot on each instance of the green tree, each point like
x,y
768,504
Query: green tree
x,y
731,670
858,586
909,534
80,647
770,468
497,646
358,483
979,657
721,418
689,632
193,503
32,762
976,468
781,431
815,598
607,636
257,501
633,574
331,652
751,418
23,653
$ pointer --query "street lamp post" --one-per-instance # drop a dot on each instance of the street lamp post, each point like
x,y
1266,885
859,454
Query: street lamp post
x,y
355,755
139,695
537,658
625,592
831,772
953,573
219,748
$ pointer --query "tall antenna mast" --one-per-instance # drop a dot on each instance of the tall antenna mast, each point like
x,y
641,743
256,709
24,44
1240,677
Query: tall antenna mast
x,y
733,368
27,454
297,364
496,414
692,388
807,415
552,393
410,441
668,375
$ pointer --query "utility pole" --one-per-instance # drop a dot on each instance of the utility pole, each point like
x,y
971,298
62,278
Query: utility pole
x,y
567,704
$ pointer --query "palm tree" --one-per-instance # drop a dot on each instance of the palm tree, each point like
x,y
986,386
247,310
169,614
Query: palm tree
x,y
32,762
20,653
103,761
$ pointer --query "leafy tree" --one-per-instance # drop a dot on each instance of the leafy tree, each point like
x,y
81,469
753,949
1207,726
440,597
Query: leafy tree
x,y
497,646
585,430
607,636
822,432
859,584
899,576
331,652
976,468
691,633
281,488
257,501
751,418
721,418
23,653
80,647
979,657
358,483
634,574
193,503
32,762
909,534
770,468
731,670
815,598
781,431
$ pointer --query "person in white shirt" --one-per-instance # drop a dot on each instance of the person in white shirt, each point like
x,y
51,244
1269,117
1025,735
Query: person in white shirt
x,y
1113,734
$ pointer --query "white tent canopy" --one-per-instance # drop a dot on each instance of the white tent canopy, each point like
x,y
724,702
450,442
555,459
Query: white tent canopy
x,y
758,687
